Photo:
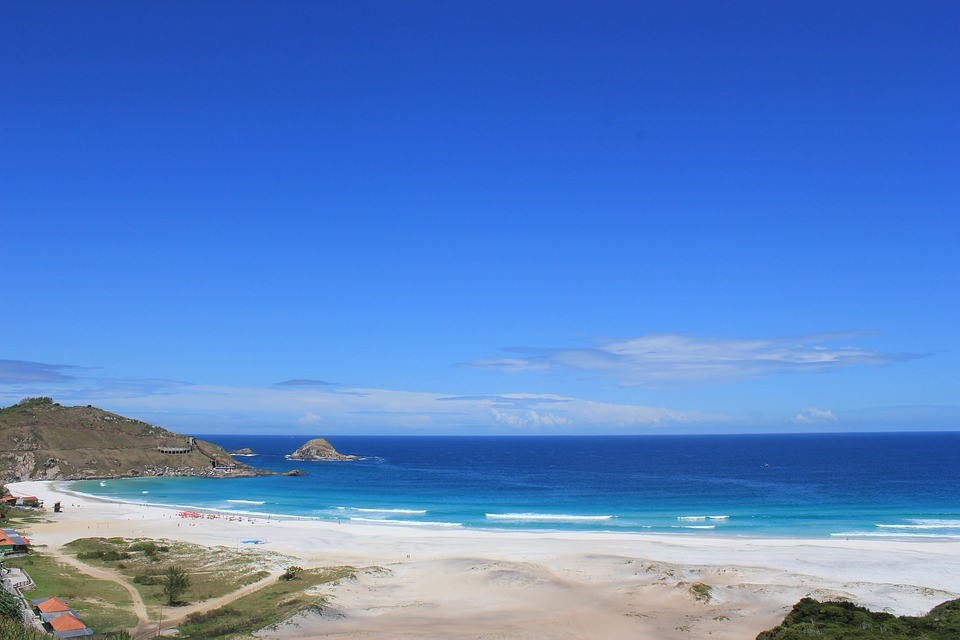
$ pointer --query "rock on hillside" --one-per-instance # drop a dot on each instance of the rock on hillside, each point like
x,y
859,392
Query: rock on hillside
x,y
319,449
42,440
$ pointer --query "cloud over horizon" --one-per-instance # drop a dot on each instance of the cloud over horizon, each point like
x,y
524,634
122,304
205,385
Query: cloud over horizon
x,y
812,415
665,359
22,371
306,406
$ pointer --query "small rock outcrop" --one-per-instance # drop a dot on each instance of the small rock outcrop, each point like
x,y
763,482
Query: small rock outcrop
x,y
246,451
319,449
294,472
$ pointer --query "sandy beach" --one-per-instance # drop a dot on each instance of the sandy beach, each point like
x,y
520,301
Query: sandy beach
x,y
461,583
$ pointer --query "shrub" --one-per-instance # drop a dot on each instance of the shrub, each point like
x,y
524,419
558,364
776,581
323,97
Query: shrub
x,y
150,549
9,607
701,591
14,630
847,621
292,573
108,555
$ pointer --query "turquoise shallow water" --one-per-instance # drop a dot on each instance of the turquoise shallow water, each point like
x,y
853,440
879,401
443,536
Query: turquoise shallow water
x,y
904,485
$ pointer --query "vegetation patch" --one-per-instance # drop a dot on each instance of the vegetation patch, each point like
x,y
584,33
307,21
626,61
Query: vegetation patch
x,y
15,517
210,572
292,573
811,619
269,606
104,606
12,629
701,591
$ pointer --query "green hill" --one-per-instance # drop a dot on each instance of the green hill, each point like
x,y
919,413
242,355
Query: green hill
x,y
847,621
42,440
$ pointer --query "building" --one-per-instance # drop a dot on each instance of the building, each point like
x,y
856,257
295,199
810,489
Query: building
x,y
68,625
59,619
29,501
50,606
16,579
12,543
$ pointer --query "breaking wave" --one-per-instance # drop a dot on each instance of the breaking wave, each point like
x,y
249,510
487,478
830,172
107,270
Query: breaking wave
x,y
407,523
545,517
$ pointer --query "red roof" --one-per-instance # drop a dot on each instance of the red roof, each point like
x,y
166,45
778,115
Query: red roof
x,y
67,622
53,605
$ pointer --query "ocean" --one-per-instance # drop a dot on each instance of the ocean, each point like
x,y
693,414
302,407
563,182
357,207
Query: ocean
x,y
880,485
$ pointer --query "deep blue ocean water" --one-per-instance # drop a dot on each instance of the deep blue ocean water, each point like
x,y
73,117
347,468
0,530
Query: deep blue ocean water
x,y
874,485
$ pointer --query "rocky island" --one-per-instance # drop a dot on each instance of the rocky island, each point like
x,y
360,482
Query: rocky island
x,y
321,450
43,440
245,452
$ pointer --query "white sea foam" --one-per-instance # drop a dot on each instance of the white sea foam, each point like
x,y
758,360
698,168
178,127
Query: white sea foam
x,y
891,534
701,518
545,517
693,526
406,512
189,507
923,524
247,501
408,523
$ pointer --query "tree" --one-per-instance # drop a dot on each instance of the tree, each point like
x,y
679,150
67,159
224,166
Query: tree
x,y
292,573
9,607
175,584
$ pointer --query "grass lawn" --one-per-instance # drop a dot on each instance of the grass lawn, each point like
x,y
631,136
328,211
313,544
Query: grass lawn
x,y
104,606
269,606
213,572
16,517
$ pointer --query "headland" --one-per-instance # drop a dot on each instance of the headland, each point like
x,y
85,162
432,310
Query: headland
x,y
41,439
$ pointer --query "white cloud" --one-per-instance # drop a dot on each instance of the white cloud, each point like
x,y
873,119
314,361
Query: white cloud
x,y
812,415
528,418
674,359
511,364
309,418
296,407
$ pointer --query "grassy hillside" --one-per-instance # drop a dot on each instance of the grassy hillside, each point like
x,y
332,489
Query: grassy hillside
x,y
847,621
40,439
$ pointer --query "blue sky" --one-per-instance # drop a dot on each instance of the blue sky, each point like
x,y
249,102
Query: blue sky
x,y
497,217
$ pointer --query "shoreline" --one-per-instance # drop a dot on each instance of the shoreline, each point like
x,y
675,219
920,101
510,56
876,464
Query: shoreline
x,y
456,582
663,535
685,525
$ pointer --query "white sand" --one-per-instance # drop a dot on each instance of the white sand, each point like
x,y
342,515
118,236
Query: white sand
x,y
457,583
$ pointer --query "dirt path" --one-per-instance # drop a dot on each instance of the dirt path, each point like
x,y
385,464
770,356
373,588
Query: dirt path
x,y
139,608
145,627
179,614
